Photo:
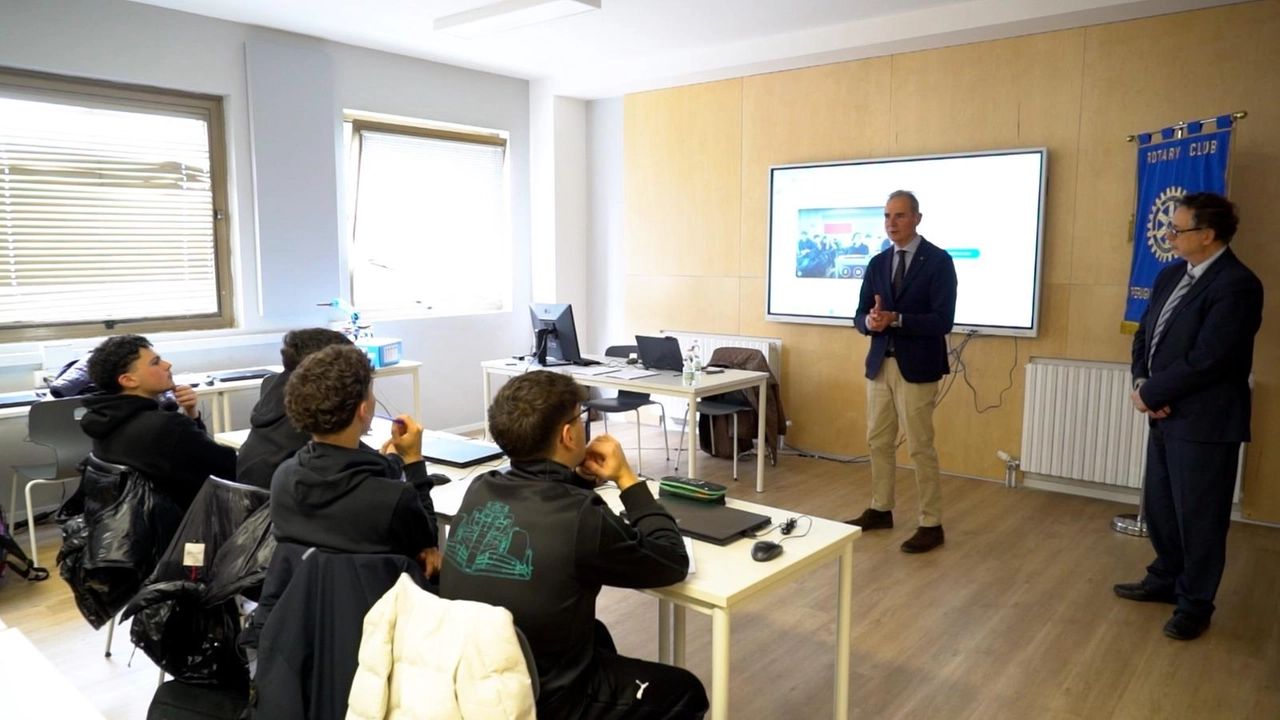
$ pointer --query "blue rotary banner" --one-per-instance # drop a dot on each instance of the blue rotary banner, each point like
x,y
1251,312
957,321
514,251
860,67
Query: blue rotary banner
x,y
1168,168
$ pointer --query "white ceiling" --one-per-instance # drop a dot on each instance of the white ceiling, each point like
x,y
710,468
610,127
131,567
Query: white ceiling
x,y
633,45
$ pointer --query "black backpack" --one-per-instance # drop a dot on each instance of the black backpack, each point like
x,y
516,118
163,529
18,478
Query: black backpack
x,y
12,556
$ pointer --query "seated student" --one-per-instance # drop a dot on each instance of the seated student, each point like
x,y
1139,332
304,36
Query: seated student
x,y
540,542
171,449
272,438
339,494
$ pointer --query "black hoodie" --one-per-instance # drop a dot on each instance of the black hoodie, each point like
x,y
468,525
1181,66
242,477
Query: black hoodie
x,y
353,501
272,438
538,541
170,449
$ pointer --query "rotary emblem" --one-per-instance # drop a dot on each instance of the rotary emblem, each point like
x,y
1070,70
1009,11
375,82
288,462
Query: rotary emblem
x,y
1159,220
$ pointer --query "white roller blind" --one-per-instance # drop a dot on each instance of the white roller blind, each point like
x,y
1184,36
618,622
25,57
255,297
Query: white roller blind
x,y
431,230
105,215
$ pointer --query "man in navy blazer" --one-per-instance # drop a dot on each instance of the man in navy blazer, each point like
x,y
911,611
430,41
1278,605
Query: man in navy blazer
x,y
907,307
1192,356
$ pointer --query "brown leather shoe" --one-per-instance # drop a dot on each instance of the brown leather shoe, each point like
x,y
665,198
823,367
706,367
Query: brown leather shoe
x,y
925,539
873,520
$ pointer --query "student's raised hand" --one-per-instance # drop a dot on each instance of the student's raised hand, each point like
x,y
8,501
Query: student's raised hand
x,y
187,400
406,439
606,461
431,560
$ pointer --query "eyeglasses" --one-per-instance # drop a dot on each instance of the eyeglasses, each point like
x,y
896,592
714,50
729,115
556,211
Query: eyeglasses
x,y
1176,232
581,415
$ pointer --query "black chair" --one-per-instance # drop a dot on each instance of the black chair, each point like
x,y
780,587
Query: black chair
x,y
629,401
713,408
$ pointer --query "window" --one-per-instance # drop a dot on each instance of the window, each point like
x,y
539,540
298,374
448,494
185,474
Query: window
x,y
428,220
111,202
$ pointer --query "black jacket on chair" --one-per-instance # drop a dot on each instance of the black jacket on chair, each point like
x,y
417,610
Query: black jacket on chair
x,y
310,645
170,449
272,438
927,305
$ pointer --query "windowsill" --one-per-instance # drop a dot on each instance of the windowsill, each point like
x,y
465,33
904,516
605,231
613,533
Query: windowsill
x,y
397,315
28,354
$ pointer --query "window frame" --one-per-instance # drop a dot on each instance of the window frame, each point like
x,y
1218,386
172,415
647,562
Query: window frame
x,y
397,125
139,98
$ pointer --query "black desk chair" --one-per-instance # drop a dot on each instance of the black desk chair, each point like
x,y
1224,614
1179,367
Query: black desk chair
x,y
713,408
629,401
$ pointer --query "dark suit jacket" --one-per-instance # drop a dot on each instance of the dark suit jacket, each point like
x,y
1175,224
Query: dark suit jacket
x,y
1201,366
927,306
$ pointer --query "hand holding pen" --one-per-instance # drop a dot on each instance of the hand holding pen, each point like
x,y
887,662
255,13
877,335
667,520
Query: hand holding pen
x,y
406,439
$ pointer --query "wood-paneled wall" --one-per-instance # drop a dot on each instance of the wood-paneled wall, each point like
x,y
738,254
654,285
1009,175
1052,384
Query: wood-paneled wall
x,y
697,162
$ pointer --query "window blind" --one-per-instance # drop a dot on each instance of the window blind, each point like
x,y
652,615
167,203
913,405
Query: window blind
x,y
430,229
105,215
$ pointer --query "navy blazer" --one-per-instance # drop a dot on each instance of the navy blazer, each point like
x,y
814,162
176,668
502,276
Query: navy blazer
x,y
927,305
1201,366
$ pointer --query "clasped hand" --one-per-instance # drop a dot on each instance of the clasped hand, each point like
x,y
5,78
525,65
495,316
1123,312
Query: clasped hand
x,y
879,318
1141,407
605,461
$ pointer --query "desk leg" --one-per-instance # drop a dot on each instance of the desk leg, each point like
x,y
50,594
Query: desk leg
x,y
844,602
484,406
720,664
692,424
677,631
761,448
417,396
664,631
225,399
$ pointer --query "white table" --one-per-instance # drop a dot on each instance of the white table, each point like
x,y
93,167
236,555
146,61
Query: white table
x,y
666,383
726,578
446,498
220,393
31,687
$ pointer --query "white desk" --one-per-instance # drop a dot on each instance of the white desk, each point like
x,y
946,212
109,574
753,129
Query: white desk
x,y
726,578
446,498
664,383
31,687
220,392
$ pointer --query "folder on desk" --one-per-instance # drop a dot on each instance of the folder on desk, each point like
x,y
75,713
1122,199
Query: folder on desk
x,y
459,453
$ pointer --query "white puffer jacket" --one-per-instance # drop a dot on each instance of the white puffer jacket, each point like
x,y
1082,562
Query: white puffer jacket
x,y
425,658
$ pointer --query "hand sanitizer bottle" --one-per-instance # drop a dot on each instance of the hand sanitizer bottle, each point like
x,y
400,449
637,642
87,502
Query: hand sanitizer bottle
x,y
688,370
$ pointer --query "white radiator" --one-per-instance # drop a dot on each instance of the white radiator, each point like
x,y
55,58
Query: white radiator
x,y
1078,423
708,342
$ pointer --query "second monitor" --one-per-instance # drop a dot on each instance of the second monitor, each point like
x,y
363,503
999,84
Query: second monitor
x,y
555,337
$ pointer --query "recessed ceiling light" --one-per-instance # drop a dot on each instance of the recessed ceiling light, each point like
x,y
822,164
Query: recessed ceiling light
x,y
509,15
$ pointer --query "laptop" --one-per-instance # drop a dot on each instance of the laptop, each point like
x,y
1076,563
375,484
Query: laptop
x,y
712,522
660,353
459,453
246,374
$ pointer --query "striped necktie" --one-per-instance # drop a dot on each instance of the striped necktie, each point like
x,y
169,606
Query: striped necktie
x,y
1168,309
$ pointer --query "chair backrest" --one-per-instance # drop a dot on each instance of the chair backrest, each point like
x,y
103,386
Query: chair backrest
x,y
621,351
56,425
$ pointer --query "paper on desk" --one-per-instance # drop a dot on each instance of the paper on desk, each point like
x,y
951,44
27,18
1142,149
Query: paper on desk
x,y
633,373
688,548
593,370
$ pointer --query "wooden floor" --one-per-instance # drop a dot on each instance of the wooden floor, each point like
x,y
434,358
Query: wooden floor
x,y
1012,618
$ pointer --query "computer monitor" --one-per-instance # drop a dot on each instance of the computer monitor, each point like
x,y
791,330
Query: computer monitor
x,y
555,336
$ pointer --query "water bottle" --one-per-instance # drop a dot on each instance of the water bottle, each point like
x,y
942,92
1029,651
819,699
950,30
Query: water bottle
x,y
688,370
697,359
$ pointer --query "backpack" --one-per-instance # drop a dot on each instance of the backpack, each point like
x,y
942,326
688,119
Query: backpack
x,y
12,556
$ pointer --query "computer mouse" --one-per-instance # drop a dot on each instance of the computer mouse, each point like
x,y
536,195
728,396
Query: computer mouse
x,y
765,550
632,361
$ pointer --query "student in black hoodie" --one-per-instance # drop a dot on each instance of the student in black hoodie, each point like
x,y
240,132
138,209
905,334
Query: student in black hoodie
x,y
171,449
339,494
272,438
540,542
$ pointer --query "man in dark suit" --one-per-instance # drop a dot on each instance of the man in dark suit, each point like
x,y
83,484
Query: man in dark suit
x,y
1192,356
907,306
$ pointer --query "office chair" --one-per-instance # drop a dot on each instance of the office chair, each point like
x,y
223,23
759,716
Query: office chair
x,y
713,408
54,424
629,401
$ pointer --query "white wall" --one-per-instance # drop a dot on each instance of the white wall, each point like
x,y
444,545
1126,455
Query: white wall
x,y
605,196
128,42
